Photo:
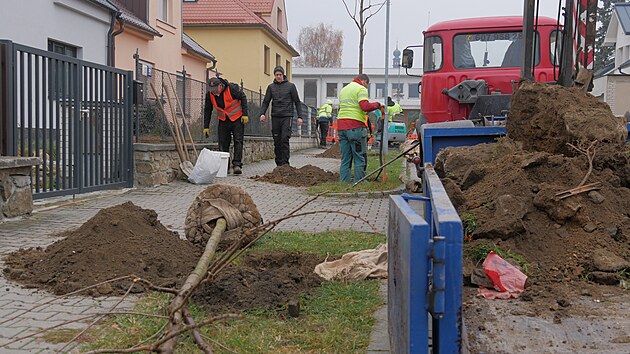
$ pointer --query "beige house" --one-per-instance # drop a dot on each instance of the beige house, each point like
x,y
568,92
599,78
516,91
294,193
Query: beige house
x,y
248,36
612,83
153,28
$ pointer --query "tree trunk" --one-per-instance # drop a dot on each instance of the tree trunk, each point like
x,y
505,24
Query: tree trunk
x,y
193,280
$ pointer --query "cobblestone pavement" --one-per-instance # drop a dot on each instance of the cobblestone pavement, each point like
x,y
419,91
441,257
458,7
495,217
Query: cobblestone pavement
x,y
26,311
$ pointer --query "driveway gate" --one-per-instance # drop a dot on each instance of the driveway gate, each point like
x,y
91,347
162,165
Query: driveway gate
x,y
74,115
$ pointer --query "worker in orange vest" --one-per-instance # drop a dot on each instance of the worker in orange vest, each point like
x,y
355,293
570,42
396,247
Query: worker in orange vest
x,y
231,105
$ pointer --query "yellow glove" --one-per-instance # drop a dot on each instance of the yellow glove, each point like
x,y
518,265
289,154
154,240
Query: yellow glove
x,y
206,132
245,119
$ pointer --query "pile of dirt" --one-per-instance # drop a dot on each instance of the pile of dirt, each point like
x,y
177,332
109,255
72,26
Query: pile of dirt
x,y
333,152
547,117
269,280
306,176
510,191
117,241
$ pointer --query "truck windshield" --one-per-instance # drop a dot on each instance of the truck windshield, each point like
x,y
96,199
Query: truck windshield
x,y
490,50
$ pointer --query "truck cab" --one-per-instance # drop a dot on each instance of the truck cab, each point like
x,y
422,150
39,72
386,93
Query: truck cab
x,y
472,66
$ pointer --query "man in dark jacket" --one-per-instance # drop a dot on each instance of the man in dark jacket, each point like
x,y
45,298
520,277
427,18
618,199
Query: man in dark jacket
x,y
231,105
284,96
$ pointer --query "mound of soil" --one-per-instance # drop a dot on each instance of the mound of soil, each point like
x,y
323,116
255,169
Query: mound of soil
x,y
117,241
269,280
333,152
574,245
547,117
305,176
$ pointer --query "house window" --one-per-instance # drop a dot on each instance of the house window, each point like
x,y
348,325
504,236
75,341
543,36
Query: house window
x,y
267,69
59,72
310,92
278,60
331,89
380,90
414,91
163,10
62,48
279,20
287,68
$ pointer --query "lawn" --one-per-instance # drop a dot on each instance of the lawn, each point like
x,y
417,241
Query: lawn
x,y
336,318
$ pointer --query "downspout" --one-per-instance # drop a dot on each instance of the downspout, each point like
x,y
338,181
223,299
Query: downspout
x,y
112,47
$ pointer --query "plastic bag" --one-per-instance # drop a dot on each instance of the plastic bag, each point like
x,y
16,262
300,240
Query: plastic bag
x,y
508,281
206,168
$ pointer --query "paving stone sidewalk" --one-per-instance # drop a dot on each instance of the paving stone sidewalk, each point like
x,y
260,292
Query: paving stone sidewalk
x,y
26,311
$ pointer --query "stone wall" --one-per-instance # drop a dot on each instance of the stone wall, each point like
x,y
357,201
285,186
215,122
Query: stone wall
x,y
16,196
157,164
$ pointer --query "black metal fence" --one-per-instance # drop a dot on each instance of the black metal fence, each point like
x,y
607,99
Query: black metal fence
x,y
73,114
152,126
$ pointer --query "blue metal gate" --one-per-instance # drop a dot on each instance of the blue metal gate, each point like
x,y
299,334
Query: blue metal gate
x,y
74,115
425,272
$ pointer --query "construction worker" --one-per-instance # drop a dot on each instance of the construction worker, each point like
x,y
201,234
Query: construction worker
x,y
393,109
352,126
284,96
324,119
231,105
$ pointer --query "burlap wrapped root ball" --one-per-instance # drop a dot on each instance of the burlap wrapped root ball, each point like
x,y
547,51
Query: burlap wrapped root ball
x,y
221,201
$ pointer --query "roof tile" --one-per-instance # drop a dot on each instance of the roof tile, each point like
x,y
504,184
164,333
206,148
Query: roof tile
x,y
219,12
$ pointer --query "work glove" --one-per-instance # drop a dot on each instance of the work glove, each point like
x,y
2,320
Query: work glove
x,y
206,132
245,119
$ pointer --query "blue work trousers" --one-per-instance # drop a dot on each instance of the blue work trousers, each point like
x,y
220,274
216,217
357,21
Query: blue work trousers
x,y
353,145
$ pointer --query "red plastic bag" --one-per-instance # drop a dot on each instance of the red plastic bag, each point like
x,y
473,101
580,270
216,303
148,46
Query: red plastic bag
x,y
508,281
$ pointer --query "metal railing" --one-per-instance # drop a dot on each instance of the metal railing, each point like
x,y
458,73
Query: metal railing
x,y
151,125
72,114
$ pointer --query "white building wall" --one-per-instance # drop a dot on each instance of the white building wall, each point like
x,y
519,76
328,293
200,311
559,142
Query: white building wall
x,y
342,76
77,23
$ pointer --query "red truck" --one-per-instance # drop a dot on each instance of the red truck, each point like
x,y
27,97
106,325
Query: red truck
x,y
472,66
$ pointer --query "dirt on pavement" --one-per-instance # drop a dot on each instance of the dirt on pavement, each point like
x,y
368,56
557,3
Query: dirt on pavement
x,y
305,176
126,239
577,248
117,241
333,152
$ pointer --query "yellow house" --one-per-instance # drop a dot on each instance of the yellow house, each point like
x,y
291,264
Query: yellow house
x,y
248,36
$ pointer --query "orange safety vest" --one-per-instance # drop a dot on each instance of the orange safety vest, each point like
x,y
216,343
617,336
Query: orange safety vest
x,y
232,108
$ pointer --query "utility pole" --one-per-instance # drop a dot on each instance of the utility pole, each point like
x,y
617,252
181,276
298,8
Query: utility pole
x,y
386,114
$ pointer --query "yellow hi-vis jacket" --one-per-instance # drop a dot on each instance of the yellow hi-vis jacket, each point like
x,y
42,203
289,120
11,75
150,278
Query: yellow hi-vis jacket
x,y
349,99
324,113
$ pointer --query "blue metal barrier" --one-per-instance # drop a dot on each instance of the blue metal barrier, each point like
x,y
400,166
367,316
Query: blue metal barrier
x,y
425,273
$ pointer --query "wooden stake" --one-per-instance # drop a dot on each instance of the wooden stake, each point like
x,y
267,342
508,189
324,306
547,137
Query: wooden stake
x,y
157,98
180,136
181,109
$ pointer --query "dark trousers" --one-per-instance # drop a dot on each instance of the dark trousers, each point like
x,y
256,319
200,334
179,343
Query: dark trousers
x,y
227,130
323,132
281,131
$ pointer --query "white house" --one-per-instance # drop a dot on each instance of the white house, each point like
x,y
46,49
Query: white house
x,y
78,28
316,85
612,83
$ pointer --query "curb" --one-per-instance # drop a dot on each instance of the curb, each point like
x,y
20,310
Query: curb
x,y
374,194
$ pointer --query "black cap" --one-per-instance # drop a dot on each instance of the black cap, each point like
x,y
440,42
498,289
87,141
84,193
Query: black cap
x,y
278,68
214,82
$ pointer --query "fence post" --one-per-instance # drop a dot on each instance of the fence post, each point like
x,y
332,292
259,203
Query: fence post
x,y
136,56
310,122
7,141
183,97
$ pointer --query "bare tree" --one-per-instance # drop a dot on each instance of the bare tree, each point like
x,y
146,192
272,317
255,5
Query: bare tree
x,y
321,46
363,11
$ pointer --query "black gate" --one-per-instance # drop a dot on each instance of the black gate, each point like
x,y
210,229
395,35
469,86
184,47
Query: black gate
x,y
74,115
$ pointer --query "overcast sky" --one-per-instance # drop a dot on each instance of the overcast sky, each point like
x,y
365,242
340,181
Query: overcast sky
x,y
408,18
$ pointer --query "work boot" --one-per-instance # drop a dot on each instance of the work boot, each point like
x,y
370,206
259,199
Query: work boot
x,y
237,170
